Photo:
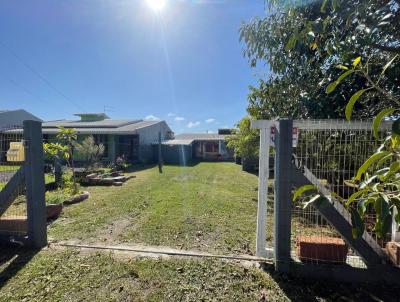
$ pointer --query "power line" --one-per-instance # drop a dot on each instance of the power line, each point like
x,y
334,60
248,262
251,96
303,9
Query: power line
x,y
22,87
41,77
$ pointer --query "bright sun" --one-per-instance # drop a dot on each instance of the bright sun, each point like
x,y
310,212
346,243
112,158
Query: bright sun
x,y
156,4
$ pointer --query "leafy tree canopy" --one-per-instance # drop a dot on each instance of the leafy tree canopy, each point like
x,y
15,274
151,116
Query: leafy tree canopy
x,y
245,140
304,47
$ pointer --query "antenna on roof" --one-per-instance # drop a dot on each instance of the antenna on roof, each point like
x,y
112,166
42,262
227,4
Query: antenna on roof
x,y
108,109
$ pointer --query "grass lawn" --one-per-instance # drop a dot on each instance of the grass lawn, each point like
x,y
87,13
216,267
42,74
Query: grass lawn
x,y
67,275
9,167
209,207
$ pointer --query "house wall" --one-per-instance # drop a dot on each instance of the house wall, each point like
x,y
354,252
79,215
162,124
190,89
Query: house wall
x,y
149,135
174,154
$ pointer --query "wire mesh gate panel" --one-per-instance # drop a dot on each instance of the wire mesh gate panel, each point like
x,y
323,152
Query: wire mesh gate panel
x,y
22,185
13,219
332,151
326,153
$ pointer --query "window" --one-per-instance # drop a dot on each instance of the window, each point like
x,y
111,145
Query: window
x,y
212,147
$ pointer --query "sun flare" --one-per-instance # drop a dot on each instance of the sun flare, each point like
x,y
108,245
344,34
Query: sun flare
x,y
156,5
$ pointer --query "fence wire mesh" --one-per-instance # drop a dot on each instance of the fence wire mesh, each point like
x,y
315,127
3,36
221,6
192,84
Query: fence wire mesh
x,y
333,151
13,217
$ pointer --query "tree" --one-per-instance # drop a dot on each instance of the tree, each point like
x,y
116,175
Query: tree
x,y
302,45
244,139
91,151
378,179
64,149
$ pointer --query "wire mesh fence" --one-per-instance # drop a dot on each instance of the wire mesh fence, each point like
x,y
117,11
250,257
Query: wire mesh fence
x,y
13,218
333,151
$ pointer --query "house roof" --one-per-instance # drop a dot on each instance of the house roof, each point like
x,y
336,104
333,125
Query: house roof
x,y
189,138
106,126
200,136
11,119
106,123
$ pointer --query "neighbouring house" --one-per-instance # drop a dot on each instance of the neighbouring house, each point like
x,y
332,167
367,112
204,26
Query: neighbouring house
x,y
12,119
120,137
15,118
188,147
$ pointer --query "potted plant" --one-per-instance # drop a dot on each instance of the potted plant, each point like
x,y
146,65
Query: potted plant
x,y
54,204
72,192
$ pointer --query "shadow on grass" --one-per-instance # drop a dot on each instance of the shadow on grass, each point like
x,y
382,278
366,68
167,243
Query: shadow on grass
x,y
301,289
12,259
191,163
141,167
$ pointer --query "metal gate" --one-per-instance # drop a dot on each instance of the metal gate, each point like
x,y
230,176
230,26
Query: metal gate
x,y
324,153
22,185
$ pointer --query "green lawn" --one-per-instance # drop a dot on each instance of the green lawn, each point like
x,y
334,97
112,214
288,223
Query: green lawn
x,y
208,207
54,275
9,167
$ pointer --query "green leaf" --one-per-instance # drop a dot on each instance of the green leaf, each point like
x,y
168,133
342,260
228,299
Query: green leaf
x,y
342,67
381,207
332,86
354,196
378,119
373,158
386,225
344,75
291,43
352,101
384,218
357,223
388,64
394,168
361,207
323,6
356,61
303,189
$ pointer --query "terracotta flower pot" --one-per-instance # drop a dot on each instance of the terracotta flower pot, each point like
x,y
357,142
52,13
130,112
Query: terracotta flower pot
x,y
53,211
77,198
321,249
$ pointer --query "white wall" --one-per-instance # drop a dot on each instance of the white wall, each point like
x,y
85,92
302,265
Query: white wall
x,y
149,135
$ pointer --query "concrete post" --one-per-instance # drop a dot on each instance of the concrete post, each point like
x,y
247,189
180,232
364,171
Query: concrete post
x,y
283,195
35,184
263,169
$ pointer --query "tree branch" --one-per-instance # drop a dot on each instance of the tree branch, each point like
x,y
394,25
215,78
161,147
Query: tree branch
x,y
387,48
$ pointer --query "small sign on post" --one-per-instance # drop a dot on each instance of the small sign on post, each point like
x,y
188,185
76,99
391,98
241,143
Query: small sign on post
x,y
295,136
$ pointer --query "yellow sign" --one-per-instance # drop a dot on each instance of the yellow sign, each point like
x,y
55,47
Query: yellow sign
x,y
16,153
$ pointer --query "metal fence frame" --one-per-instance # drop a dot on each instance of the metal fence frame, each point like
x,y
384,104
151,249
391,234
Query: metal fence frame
x,y
287,176
31,176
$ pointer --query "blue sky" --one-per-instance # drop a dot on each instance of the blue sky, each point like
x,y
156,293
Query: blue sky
x,y
183,64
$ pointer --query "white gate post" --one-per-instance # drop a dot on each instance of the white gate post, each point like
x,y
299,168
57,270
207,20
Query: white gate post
x,y
263,174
